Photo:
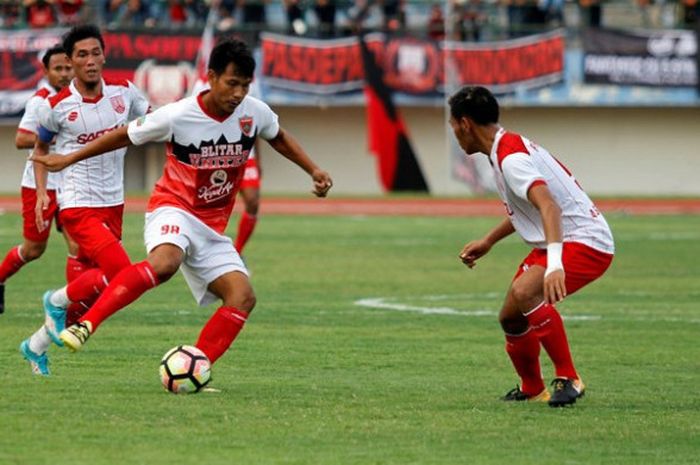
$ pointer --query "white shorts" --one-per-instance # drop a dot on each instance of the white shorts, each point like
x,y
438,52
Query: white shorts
x,y
208,254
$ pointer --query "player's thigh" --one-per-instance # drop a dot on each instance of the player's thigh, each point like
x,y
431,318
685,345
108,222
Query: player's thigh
x,y
93,229
527,290
167,233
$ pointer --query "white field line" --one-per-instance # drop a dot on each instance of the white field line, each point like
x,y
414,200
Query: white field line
x,y
383,303
388,303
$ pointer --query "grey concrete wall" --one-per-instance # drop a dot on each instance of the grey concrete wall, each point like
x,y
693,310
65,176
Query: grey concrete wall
x,y
612,151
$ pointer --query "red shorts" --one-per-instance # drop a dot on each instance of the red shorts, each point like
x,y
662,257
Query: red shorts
x,y
30,232
582,264
251,175
93,229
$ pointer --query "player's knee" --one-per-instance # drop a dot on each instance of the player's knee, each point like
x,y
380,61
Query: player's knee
x,y
33,250
513,325
252,206
244,300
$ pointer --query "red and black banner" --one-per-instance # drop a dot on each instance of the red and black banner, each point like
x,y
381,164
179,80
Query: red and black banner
x,y
410,65
388,139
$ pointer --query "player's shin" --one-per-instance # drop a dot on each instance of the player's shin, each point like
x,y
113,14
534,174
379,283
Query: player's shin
x,y
12,263
220,331
127,286
549,327
524,352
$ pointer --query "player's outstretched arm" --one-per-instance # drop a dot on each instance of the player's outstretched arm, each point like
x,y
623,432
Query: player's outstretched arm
x,y
474,250
286,145
107,142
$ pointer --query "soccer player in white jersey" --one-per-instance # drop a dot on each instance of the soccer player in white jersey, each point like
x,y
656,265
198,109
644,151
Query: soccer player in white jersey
x,y
58,73
90,193
208,140
572,244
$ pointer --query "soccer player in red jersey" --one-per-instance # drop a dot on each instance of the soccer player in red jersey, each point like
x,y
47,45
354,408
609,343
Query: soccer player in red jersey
x,y
208,139
58,73
90,193
572,244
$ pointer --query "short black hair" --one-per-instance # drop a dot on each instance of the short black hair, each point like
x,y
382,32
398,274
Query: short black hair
x,y
474,102
230,50
78,33
55,50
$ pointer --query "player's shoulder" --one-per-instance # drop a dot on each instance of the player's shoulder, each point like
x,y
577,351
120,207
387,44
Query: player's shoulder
x,y
254,104
42,93
62,95
117,82
509,144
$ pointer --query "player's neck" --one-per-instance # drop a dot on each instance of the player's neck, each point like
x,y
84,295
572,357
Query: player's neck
x,y
89,89
486,137
212,108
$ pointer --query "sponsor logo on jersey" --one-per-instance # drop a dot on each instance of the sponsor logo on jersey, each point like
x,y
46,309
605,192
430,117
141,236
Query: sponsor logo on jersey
x,y
218,189
72,116
246,124
220,156
84,138
118,103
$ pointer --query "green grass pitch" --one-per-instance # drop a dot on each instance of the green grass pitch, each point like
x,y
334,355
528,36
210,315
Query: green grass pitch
x,y
316,378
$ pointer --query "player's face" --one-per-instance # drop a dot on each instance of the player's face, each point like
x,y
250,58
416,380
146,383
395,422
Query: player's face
x,y
461,129
88,59
60,71
228,89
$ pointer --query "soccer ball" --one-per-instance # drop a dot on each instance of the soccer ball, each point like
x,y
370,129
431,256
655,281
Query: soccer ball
x,y
184,369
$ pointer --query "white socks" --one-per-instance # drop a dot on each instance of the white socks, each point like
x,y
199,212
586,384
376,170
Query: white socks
x,y
40,341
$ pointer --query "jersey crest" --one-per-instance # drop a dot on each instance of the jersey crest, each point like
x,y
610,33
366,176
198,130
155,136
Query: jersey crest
x,y
246,124
118,103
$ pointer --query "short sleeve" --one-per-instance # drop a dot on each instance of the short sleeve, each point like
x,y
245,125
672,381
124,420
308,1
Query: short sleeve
x,y
139,103
152,127
268,126
520,173
47,117
30,121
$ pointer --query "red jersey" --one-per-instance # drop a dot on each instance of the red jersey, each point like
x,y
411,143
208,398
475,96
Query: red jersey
x,y
206,156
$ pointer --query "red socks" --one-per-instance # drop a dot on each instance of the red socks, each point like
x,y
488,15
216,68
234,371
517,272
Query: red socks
x,y
74,268
245,228
87,286
11,264
220,331
112,259
549,327
524,352
127,286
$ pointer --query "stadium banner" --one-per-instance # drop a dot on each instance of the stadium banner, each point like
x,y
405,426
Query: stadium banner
x,y
21,71
657,58
412,66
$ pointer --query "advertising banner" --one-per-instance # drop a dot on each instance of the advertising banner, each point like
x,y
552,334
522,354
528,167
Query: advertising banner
x,y
411,66
665,58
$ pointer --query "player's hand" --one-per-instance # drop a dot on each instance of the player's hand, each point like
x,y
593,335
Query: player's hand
x,y
473,251
554,286
52,162
322,183
42,204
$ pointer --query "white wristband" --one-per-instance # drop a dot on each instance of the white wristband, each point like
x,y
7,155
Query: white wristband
x,y
554,251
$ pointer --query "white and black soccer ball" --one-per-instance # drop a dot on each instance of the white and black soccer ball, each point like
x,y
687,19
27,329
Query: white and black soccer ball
x,y
184,369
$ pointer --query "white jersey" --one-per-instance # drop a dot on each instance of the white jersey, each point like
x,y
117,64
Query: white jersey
x,y
30,124
520,164
205,155
75,120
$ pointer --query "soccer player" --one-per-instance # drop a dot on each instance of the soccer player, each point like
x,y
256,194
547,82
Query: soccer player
x,y
58,73
208,141
91,193
572,244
